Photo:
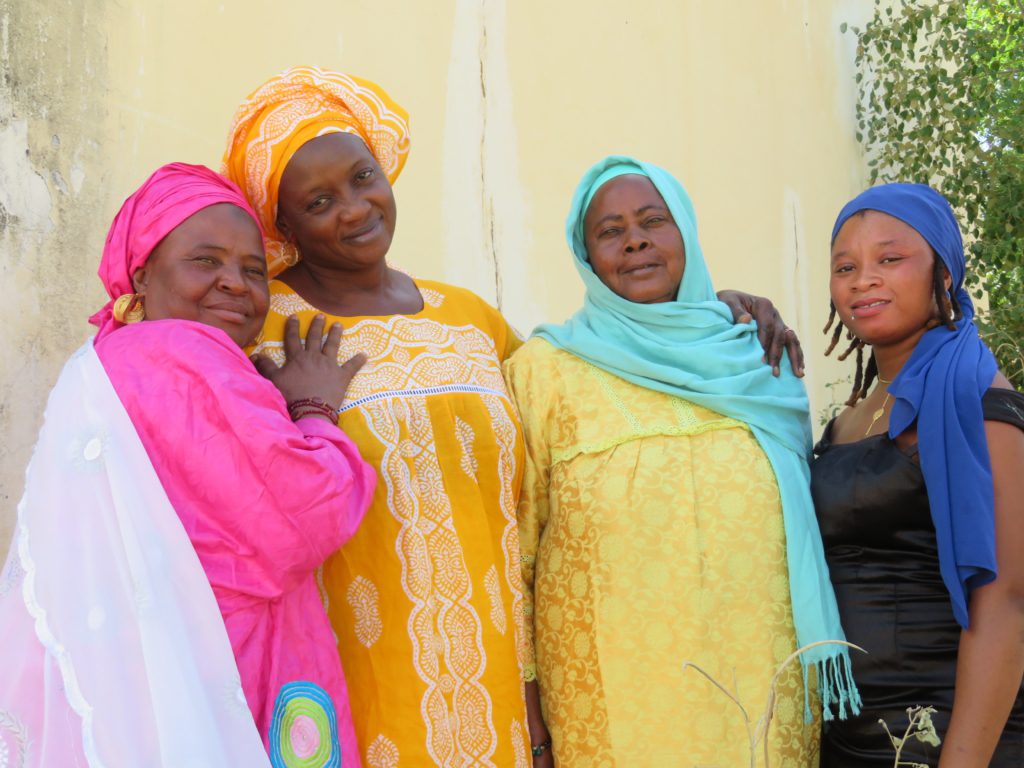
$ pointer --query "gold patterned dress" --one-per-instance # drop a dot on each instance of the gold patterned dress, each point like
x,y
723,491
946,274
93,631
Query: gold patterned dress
x,y
426,598
651,534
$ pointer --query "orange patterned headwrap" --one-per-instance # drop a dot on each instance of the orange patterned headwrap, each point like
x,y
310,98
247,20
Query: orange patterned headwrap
x,y
287,111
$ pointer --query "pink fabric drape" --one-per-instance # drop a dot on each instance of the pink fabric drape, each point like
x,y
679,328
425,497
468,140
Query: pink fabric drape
x,y
263,500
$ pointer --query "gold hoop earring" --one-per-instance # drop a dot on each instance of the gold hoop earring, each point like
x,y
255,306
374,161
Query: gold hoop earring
x,y
129,308
290,253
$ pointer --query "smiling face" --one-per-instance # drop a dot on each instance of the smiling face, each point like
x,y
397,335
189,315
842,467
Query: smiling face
x,y
210,269
633,243
336,204
882,279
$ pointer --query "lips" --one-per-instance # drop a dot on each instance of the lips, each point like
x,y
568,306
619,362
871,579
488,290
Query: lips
x,y
365,233
641,269
868,307
231,312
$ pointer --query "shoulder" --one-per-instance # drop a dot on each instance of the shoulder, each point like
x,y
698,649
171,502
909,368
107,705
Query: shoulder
x,y
536,353
453,298
538,369
162,347
460,306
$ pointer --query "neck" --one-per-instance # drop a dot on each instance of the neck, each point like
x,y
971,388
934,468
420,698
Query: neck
x,y
338,282
890,358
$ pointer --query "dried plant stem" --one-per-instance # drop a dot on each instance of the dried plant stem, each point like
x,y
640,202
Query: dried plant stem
x,y
758,732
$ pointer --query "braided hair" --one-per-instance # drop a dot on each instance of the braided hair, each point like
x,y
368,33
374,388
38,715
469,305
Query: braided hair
x,y
949,313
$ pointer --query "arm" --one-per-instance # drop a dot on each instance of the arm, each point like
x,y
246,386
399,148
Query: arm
x,y
532,517
263,499
772,331
990,663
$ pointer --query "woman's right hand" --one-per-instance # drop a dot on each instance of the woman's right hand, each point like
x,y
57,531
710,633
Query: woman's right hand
x,y
311,371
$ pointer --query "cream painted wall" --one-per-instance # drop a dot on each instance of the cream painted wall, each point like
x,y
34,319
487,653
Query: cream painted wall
x,y
749,102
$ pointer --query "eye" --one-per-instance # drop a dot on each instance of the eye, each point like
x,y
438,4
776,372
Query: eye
x,y
365,175
889,259
842,268
609,232
654,221
257,271
318,203
205,259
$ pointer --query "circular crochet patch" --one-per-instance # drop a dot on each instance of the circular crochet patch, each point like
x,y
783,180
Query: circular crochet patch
x,y
304,729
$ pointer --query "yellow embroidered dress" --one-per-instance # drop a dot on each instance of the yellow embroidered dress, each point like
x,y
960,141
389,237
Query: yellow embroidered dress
x,y
425,599
651,533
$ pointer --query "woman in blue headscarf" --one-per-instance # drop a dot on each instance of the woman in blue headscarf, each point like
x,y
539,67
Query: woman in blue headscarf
x,y
665,514
919,489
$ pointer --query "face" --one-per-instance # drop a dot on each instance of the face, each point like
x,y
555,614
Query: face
x,y
633,242
210,269
881,284
336,204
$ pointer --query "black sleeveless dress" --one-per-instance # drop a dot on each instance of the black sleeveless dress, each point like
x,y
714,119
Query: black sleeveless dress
x,y
883,560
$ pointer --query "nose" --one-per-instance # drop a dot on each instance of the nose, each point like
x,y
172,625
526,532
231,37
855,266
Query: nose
x,y
354,209
637,240
868,277
231,279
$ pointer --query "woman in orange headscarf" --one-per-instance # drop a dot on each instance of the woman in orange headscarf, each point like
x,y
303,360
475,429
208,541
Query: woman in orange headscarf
x,y
425,599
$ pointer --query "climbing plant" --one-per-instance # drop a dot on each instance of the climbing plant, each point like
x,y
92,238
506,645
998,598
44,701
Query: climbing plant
x,y
941,86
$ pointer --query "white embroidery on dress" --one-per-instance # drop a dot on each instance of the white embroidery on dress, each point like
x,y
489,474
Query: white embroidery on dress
x,y
382,753
494,593
445,630
519,745
466,436
431,297
365,602
289,304
12,576
505,433
86,450
13,734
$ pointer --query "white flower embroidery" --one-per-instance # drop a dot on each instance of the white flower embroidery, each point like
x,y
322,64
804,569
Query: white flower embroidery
x,y
494,593
432,297
13,735
382,753
86,451
365,602
466,436
519,745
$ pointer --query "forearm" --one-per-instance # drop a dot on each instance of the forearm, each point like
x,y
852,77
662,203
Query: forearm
x,y
990,665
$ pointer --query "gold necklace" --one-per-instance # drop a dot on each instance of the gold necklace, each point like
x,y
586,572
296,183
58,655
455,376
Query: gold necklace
x,y
881,411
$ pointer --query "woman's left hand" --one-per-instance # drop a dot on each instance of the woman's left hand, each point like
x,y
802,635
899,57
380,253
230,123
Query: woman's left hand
x,y
772,331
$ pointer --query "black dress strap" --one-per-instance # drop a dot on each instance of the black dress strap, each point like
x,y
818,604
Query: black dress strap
x,y
1006,405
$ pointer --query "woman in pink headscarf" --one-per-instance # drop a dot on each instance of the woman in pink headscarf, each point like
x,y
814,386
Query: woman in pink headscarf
x,y
160,586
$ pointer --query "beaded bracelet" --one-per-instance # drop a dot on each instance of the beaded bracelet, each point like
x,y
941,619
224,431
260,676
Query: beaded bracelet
x,y
311,406
538,750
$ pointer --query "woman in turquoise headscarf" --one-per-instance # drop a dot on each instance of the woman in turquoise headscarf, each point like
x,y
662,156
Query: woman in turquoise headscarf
x,y
665,514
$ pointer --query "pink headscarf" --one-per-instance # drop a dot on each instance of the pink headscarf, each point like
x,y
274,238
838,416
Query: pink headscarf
x,y
168,197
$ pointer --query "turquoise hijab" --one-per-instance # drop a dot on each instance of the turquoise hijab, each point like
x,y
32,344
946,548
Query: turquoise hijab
x,y
691,348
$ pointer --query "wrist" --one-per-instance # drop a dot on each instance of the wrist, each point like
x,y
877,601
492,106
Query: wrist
x,y
312,406
539,748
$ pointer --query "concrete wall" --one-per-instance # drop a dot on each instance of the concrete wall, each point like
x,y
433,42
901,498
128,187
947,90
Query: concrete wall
x,y
749,102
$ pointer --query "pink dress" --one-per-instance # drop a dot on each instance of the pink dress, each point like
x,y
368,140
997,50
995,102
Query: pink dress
x,y
264,502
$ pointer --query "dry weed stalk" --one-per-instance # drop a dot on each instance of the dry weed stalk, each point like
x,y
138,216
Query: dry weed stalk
x,y
758,732
920,727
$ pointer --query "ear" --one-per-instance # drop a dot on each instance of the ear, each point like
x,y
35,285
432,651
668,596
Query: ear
x,y
947,279
140,280
283,228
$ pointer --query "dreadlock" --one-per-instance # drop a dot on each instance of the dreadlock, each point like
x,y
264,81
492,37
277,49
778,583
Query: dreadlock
x,y
949,313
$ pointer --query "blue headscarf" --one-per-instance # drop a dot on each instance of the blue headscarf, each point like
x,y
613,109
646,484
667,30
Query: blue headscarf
x,y
690,348
940,387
